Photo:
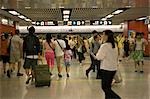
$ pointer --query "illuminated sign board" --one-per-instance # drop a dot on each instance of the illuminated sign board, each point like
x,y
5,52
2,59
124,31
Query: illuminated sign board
x,y
100,22
46,23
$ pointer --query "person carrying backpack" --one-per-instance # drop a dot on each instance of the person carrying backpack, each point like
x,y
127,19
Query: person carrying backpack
x,y
31,50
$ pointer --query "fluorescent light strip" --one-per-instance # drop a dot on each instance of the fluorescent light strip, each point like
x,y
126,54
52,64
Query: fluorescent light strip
x,y
142,18
109,16
22,17
28,20
13,12
117,12
33,23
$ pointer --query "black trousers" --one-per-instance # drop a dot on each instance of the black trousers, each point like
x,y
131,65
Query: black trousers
x,y
107,77
74,52
95,63
81,57
126,53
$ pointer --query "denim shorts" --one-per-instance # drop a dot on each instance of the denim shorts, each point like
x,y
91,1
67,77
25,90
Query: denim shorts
x,y
67,63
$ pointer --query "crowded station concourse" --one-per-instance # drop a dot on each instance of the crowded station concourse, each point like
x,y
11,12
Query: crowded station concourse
x,y
71,49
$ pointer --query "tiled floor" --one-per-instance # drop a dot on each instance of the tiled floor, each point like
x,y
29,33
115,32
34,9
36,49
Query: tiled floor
x,y
134,85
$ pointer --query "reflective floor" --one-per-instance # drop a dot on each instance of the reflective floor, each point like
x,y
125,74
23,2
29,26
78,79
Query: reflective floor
x,y
77,86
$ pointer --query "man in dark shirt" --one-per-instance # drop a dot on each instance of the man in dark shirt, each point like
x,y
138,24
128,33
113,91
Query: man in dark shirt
x,y
94,62
31,50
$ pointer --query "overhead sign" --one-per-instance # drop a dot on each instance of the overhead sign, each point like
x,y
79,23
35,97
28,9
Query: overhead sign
x,y
100,22
74,23
46,23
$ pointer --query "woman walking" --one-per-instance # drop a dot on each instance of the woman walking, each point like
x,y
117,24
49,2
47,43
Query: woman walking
x,y
49,52
108,54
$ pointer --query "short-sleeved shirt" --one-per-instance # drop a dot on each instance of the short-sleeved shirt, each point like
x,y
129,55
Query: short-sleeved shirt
x,y
58,49
16,49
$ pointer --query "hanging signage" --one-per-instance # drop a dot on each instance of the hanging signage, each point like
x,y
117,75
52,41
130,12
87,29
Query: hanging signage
x,y
46,23
74,23
100,22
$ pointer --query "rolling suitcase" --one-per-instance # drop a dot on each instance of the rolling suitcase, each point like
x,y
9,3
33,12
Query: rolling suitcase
x,y
42,75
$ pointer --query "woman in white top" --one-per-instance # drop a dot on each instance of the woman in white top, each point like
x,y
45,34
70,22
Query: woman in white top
x,y
108,54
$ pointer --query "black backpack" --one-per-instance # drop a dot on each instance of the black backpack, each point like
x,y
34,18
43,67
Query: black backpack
x,y
31,45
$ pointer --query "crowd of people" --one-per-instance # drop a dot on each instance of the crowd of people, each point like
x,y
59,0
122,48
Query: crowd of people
x,y
103,48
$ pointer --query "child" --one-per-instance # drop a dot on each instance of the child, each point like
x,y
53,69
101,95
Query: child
x,y
67,59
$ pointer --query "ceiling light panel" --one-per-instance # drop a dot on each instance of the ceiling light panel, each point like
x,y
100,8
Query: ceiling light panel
x,y
66,12
66,16
66,19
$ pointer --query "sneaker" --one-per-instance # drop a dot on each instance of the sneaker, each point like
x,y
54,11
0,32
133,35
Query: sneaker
x,y
67,75
19,74
8,73
28,80
59,75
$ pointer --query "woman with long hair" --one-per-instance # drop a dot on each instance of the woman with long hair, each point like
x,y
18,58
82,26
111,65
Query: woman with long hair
x,y
49,52
80,51
108,54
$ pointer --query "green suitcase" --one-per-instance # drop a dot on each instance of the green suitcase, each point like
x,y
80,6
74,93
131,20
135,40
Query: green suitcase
x,y
42,75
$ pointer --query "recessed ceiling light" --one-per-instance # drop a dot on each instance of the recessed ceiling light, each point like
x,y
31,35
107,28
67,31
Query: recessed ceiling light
x,y
66,12
2,7
14,12
128,6
27,7
61,7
